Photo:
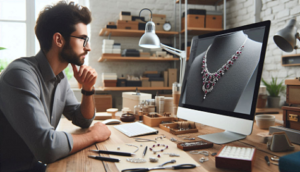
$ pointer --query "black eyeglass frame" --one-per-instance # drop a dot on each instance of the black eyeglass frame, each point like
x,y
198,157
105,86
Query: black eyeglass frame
x,y
86,39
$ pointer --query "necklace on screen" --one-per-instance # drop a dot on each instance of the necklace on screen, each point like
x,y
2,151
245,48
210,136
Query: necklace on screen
x,y
210,79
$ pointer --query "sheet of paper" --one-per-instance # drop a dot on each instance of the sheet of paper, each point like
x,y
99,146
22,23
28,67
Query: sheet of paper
x,y
184,157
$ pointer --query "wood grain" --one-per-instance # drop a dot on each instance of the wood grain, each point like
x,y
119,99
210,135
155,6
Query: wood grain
x,y
80,162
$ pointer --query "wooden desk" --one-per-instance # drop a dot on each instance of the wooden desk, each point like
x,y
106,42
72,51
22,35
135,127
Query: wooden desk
x,y
80,162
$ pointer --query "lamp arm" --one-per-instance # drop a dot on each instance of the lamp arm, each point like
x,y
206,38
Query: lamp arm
x,y
168,47
145,9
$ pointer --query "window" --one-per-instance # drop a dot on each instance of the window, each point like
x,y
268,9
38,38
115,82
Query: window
x,y
17,21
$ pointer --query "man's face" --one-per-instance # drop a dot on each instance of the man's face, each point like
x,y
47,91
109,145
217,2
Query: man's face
x,y
73,51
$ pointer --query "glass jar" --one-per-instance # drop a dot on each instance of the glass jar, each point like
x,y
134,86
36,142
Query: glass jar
x,y
176,91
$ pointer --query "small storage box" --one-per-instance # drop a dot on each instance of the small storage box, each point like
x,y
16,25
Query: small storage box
x,y
137,18
214,21
130,99
159,26
124,15
125,24
157,83
102,102
109,83
121,82
146,83
130,83
158,18
193,20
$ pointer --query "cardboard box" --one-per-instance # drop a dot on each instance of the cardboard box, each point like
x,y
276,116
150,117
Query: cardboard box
x,y
130,99
102,102
159,26
193,20
214,21
146,83
158,18
165,78
125,24
109,83
172,76
157,83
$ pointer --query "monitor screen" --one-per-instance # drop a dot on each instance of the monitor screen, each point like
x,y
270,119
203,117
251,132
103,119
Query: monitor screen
x,y
223,72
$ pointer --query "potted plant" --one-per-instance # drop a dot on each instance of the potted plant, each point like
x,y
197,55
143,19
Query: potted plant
x,y
274,89
3,63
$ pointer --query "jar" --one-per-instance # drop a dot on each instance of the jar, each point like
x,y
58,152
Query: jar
x,y
176,91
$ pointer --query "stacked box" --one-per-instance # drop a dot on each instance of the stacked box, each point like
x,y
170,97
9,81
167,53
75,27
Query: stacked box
x,y
195,18
214,19
107,46
125,15
159,20
109,79
116,49
125,24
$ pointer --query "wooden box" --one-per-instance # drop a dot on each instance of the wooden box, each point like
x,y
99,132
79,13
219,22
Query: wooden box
x,y
157,83
125,17
172,76
173,129
158,18
214,21
234,163
125,24
291,115
193,20
109,83
155,121
102,102
186,148
159,26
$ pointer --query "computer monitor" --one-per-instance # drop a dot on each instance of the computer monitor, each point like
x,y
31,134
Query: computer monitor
x,y
222,79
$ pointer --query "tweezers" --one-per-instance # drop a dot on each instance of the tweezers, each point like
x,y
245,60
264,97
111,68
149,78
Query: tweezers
x,y
144,140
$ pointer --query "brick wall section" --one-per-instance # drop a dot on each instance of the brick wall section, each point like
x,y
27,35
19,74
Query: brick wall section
x,y
279,12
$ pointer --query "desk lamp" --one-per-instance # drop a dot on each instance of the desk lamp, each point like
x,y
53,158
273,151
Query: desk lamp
x,y
286,38
151,40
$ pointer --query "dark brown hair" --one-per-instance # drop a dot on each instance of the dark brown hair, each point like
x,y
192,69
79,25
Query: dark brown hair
x,y
61,17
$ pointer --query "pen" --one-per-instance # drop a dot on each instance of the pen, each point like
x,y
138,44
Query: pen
x,y
104,158
113,152
144,153
267,160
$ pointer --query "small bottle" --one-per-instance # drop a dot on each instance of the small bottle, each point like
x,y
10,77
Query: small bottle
x,y
145,107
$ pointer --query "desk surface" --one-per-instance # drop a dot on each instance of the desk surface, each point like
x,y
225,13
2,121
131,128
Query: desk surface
x,y
80,161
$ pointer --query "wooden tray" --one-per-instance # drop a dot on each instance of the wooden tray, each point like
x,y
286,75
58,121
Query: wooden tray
x,y
155,121
185,148
173,129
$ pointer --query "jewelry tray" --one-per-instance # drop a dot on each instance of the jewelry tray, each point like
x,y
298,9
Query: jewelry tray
x,y
155,121
194,147
173,129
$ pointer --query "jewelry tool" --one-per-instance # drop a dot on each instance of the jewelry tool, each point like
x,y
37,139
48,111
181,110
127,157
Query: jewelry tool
x,y
175,167
104,158
144,153
267,160
144,140
113,152
172,161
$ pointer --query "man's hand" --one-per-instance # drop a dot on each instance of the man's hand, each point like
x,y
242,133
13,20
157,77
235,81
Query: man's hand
x,y
100,132
86,76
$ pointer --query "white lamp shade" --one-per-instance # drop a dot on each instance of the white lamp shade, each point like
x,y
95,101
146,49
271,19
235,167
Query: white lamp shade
x,y
149,39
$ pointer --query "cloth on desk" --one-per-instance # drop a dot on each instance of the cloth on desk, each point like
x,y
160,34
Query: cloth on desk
x,y
172,148
290,162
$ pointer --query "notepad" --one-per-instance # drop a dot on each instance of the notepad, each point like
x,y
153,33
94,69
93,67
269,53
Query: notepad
x,y
135,129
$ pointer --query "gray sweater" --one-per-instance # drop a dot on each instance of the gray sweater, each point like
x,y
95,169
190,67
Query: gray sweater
x,y
32,101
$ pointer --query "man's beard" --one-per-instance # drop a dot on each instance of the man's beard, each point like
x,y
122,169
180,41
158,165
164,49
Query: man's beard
x,y
67,54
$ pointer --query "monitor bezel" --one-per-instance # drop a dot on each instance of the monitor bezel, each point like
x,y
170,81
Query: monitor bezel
x,y
250,116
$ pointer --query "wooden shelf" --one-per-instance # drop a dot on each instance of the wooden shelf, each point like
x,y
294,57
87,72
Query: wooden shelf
x,y
133,33
133,88
202,2
200,31
118,57
290,60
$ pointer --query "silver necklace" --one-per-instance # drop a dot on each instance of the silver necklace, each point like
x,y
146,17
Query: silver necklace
x,y
210,79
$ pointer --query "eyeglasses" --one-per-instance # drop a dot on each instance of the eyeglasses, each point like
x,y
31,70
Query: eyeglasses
x,y
86,39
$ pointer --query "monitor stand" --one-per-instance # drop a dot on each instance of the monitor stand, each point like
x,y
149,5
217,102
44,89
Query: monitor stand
x,y
223,137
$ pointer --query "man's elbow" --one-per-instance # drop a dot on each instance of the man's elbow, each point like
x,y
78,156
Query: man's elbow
x,y
47,157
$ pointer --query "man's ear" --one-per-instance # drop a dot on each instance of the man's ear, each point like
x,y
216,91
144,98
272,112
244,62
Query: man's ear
x,y
58,40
